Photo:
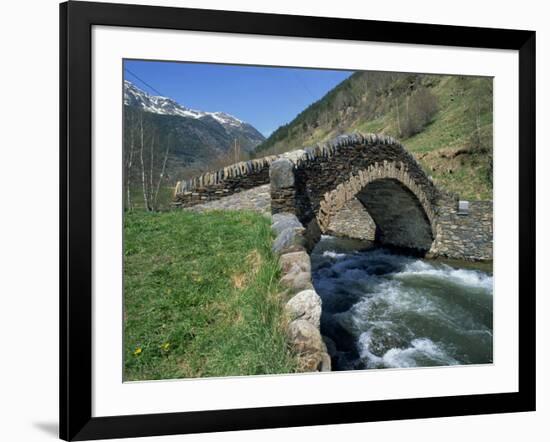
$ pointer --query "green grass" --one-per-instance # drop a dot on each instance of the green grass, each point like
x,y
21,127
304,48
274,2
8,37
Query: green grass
x,y
165,196
201,297
455,122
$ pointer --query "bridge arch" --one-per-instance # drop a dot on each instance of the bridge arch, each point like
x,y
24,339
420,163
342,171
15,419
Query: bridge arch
x,y
316,183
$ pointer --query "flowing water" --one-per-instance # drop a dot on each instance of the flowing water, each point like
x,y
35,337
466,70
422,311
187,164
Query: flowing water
x,y
384,310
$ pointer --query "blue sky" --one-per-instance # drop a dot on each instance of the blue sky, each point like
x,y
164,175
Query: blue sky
x,y
265,97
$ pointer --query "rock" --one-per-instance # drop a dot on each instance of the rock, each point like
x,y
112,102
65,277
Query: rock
x,y
326,364
305,337
281,174
283,221
294,155
288,241
319,361
308,343
297,281
295,261
305,305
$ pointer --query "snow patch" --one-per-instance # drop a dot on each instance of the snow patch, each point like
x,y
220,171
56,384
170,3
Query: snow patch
x,y
134,96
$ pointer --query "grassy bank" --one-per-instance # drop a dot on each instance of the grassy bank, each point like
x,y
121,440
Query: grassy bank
x,y
201,297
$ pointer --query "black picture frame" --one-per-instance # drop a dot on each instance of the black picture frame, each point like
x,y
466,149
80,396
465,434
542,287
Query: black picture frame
x,y
76,21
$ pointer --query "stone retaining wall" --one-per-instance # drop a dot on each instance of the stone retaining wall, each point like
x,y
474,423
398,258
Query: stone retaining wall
x,y
304,306
468,237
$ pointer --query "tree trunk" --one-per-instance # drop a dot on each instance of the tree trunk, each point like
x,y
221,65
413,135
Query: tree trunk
x,y
161,176
143,182
151,162
129,167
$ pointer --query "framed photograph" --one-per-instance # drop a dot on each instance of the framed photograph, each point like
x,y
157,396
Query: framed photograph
x,y
274,220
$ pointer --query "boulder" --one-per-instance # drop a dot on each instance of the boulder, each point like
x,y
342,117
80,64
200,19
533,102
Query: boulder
x,y
294,261
326,364
281,174
308,343
319,361
305,305
305,337
283,221
297,280
289,240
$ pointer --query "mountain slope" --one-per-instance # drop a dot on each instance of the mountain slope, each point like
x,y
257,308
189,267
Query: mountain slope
x,y
133,96
445,121
197,138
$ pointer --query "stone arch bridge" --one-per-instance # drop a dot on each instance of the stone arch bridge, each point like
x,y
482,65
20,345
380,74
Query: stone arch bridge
x,y
317,182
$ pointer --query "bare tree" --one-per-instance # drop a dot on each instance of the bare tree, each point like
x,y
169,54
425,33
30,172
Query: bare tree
x,y
146,160
143,181
161,175
129,158
151,164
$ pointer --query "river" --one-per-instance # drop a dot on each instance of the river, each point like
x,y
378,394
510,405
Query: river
x,y
385,310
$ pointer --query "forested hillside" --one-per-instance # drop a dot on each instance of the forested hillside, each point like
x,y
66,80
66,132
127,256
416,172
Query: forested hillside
x,y
445,121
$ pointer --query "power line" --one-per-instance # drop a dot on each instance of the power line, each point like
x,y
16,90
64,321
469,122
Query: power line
x,y
144,82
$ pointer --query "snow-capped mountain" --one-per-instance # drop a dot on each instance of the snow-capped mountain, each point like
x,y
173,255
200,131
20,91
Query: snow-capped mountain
x,y
134,96
196,138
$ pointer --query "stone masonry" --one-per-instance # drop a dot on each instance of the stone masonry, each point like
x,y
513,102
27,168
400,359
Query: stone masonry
x,y
360,186
316,183
468,237
224,182
353,221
